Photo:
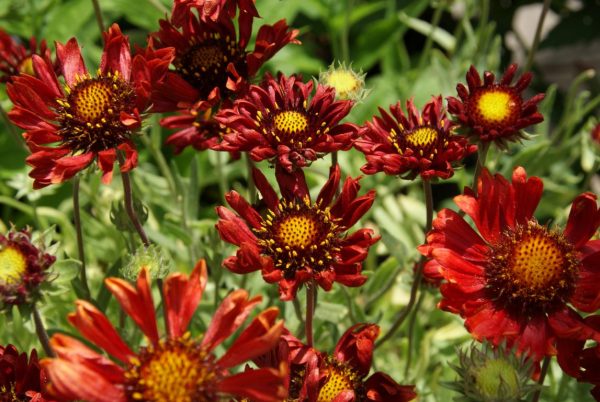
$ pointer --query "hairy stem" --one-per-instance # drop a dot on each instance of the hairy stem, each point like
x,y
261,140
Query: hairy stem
x,y
414,290
538,392
98,13
128,193
79,232
311,290
41,332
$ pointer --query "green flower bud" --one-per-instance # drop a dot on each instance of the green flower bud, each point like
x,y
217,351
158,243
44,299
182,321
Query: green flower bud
x,y
348,84
153,258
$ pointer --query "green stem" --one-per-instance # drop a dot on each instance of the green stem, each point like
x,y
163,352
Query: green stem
x,y
538,392
418,273
298,311
98,13
411,327
482,153
41,332
435,22
222,177
538,35
344,37
252,194
79,233
311,291
128,193
161,288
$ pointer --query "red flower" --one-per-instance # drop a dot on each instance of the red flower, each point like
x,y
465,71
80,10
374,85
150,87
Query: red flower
x,y
212,9
211,65
16,58
20,377
298,241
491,111
23,268
596,133
179,367
514,278
277,121
342,376
91,117
417,144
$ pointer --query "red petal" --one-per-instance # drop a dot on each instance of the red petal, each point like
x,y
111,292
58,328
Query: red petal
x,y
71,62
117,54
261,385
584,219
355,347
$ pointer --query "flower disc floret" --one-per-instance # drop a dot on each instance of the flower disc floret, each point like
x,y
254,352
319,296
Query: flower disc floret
x,y
412,143
490,111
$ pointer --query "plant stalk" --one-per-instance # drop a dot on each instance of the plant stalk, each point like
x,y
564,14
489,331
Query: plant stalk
x,y
79,232
538,392
538,35
311,290
128,193
41,332
98,13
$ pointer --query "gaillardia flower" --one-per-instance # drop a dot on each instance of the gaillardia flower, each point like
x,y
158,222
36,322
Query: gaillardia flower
x,y
23,268
495,112
179,367
281,122
340,376
21,378
211,65
212,9
412,144
298,240
514,278
90,117
16,58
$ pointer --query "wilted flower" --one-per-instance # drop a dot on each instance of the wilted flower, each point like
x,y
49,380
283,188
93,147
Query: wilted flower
x,y
16,58
280,121
91,117
514,278
23,268
412,144
298,240
179,367
21,378
495,112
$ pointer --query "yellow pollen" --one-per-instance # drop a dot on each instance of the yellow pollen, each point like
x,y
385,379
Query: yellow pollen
x,y
93,100
298,231
336,382
343,81
26,66
13,265
291,122
496,106
537,261
421,137
207,57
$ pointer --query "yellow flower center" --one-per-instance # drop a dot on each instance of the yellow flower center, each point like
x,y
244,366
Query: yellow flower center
x,y
298,231
340,377
532,269
13,265
344,82
26,66
290,122
496,106
177,371
422,137
92,101
299,234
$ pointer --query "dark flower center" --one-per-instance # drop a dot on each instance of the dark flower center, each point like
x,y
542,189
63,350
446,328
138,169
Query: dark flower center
x,y
8,394
495,107
90,116
340,377
532,270
423,140
177,370
13,265
204,64
298,235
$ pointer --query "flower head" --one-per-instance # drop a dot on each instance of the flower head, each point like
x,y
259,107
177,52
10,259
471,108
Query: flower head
x,y
281,122
299,240
340,376
412,144
179,367
493,111
211,66
21,378
212,9
514,278
88,118
16,58
348,84
23,268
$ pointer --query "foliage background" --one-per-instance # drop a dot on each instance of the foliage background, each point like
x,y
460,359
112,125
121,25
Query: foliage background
x,y
412,48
